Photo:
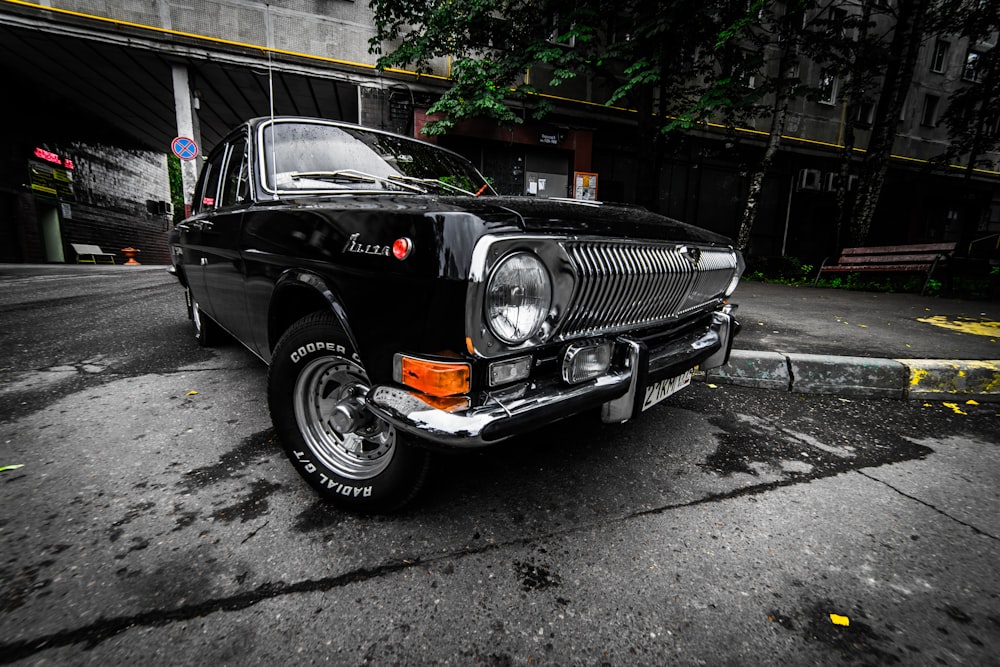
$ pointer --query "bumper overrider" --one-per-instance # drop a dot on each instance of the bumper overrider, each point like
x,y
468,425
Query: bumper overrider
x,y
619,393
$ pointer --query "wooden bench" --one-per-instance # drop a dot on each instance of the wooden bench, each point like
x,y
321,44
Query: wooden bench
x,y
91,254
921,257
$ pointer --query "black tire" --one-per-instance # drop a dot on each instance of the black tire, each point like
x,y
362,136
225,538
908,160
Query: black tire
x,y
313,368
206,331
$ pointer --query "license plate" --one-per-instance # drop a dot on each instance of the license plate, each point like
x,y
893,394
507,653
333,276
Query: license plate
x,y
658,391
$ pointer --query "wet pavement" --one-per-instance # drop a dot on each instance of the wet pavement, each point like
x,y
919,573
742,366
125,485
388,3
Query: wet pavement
x,y
155,518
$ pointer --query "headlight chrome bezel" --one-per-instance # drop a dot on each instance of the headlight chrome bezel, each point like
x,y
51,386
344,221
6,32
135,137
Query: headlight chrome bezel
x,y
492,251
529,301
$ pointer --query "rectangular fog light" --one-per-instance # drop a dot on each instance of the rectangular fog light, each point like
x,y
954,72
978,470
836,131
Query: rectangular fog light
x,y
584,361
511,370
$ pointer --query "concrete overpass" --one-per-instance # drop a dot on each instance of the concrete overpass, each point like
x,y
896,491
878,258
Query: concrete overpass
x,y
76,76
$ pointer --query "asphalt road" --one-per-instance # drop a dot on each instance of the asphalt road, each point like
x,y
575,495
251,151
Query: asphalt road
x,y
156,520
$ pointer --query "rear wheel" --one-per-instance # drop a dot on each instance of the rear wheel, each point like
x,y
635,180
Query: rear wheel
x,y
316,392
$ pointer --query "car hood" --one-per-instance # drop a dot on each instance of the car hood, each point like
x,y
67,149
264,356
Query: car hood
x,y
532,215
568,216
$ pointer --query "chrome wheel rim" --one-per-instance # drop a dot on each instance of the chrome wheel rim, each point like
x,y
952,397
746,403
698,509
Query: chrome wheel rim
x,y
321,385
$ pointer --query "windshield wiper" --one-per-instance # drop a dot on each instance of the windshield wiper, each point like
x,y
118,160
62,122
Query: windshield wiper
x,y
351,175
435,182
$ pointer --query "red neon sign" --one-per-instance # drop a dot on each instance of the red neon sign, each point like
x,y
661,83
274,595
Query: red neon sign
x,y
54,158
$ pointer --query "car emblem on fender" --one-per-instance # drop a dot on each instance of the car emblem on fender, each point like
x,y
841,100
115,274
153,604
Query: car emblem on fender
x,y
400,248
352,245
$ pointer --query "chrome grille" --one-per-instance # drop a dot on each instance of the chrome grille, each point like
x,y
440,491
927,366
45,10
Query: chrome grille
x,y
624,285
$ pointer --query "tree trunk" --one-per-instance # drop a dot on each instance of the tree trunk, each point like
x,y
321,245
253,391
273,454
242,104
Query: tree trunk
x,y
749,216
780,113
649,153
903,53
855,97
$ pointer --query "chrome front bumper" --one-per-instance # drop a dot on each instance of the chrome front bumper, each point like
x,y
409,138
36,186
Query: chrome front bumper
x,y
534,403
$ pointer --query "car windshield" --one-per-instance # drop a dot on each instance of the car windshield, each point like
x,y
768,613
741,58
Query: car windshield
x,y
317,157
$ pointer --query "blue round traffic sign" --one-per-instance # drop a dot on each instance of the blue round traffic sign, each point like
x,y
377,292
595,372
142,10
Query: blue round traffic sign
x,y
184,148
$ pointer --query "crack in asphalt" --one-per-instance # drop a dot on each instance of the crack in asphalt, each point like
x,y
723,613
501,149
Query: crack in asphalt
x,y
977,531
101,630
95,633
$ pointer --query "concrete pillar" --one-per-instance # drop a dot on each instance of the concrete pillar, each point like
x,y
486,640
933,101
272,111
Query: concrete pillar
x,y
187,126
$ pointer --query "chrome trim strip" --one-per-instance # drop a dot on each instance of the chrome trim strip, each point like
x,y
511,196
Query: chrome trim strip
x,y
495,421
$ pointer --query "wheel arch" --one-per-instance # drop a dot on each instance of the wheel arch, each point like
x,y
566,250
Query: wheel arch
x,y
300,293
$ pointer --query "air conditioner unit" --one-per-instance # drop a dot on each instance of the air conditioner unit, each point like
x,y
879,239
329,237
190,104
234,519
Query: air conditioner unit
x,y
809,179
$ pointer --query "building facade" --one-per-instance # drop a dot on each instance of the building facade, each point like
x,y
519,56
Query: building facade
x,y
107,88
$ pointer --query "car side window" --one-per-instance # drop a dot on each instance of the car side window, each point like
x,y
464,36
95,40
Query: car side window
x,y
199,188
235,182
209,197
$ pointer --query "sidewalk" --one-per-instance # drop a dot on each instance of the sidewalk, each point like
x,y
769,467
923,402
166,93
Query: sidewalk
x,y
817,340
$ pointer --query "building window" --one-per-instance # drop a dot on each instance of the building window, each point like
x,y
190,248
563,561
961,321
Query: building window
x,y
928,117
862,114
940,59
558,31
827,86
971,70
837,21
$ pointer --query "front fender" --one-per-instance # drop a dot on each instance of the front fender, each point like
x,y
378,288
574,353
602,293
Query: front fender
x,y
298,293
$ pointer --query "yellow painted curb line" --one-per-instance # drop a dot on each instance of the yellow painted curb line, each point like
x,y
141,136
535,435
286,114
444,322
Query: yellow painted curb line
x,y
950,378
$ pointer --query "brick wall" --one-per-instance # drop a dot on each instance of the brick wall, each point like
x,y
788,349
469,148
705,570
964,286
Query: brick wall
x,y
113,186
113,230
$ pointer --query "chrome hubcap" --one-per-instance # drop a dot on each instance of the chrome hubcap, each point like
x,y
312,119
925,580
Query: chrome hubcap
x,y
326,392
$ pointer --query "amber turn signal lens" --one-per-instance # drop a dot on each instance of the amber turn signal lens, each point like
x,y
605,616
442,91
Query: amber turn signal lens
x,y
435,378
446,403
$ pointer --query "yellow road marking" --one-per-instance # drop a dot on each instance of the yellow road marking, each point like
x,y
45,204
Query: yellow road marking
x,y
964,325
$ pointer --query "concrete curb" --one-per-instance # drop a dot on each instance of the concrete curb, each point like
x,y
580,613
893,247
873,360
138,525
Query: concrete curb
x,y
858,377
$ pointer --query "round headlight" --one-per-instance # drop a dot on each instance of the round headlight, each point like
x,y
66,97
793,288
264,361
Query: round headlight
x,y
518,297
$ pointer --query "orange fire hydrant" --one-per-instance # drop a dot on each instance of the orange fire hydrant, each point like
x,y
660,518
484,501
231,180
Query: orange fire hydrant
x,y
130,253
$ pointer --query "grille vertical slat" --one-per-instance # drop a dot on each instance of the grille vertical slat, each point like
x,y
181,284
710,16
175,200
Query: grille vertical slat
x,y
620,297
623,284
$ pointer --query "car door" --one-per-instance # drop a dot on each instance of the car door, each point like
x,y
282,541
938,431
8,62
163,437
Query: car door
x,y
223,260
191,231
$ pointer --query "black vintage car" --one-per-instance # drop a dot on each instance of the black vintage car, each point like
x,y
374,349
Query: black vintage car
x,y
403,305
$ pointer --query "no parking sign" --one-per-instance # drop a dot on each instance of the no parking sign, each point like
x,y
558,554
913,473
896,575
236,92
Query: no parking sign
x,y
184,148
